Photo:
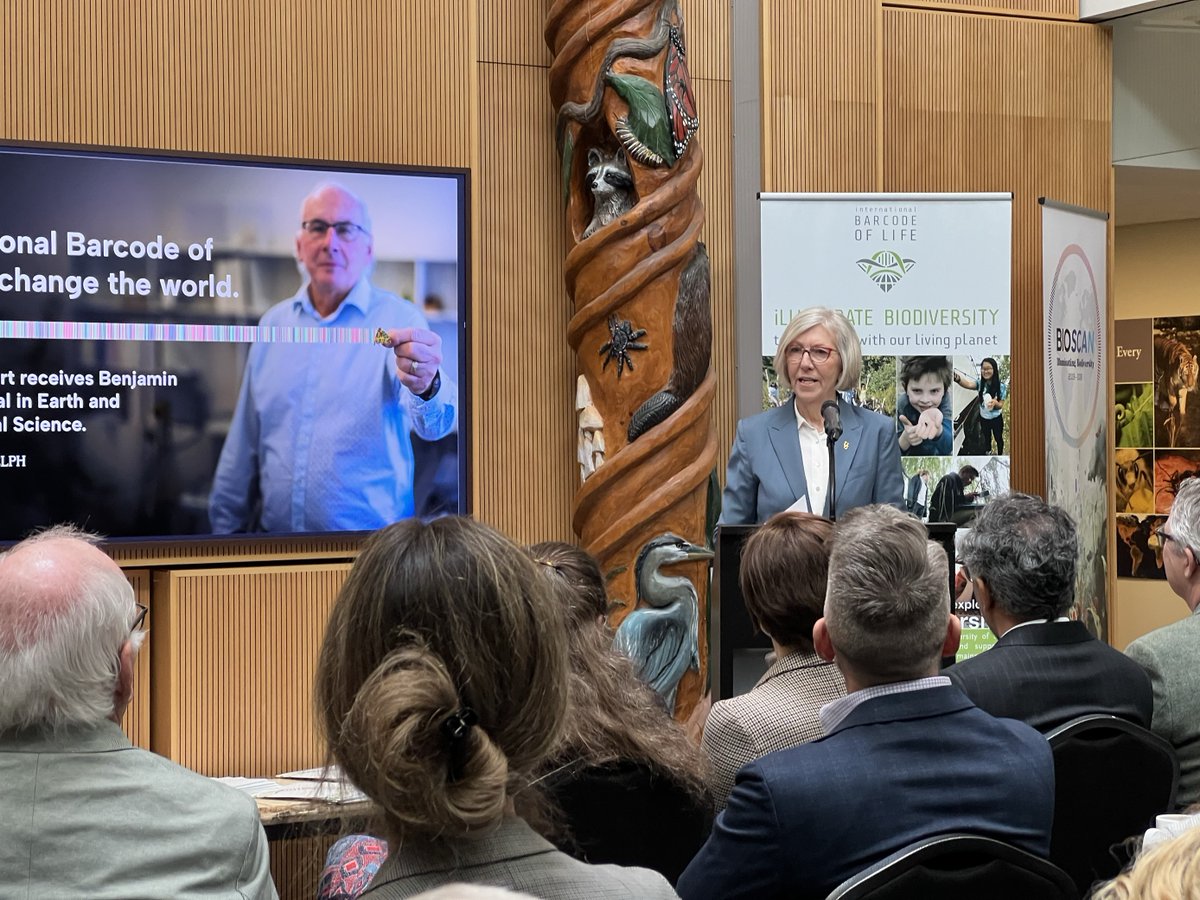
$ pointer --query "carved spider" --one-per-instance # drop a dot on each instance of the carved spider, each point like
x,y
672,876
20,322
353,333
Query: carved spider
x,y
624,338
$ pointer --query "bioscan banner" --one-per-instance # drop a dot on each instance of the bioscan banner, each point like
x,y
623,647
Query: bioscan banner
x,y
926,280
1074,292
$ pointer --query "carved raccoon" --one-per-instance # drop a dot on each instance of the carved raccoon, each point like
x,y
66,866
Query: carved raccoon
x,y
611,185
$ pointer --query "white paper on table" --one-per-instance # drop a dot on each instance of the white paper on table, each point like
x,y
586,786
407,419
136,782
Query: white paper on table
x,y
320,773
325,791
251,786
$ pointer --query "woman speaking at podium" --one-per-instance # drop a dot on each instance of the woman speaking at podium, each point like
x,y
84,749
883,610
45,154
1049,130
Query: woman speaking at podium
x,y
780,458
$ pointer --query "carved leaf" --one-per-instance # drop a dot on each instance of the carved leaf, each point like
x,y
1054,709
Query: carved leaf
x,y
647,117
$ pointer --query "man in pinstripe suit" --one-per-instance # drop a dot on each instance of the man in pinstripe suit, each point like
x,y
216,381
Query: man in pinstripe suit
x,y
1045,669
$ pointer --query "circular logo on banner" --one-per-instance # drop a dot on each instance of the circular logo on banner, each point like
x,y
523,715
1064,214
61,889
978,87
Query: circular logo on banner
x,y
1073,339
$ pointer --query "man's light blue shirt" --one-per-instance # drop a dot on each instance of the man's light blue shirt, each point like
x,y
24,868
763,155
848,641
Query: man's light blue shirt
x,y
320,435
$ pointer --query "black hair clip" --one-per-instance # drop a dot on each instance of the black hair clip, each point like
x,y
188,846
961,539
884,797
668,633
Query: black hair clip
x,y
456,727
457,723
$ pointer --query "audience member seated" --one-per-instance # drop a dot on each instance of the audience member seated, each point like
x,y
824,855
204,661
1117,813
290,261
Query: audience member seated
x,y
441,688
461,891
625,784
1020,556
1168,871
906,755
1169,654
85,813
782,578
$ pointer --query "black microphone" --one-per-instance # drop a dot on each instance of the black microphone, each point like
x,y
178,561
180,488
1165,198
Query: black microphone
x,y
833,420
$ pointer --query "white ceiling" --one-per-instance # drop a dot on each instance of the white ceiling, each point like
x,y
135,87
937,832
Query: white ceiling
x,y
1156,113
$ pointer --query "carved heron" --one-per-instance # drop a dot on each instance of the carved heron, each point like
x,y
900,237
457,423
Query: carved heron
x,y
660,636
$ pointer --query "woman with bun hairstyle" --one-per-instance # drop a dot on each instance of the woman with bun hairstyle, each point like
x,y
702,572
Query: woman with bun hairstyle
x,y
441,687
627,782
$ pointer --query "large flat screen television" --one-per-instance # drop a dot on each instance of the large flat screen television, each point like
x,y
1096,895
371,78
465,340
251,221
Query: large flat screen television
x,y
158,337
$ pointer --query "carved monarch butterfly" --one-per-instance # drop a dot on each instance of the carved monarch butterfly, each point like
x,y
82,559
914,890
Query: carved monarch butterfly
x,y
677,86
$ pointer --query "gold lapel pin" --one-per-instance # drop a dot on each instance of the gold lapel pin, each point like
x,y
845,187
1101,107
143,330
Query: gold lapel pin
x,y
845,445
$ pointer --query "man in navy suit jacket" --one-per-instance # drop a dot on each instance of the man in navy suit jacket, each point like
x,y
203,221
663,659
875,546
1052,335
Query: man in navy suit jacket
x,y
1045,669
906,755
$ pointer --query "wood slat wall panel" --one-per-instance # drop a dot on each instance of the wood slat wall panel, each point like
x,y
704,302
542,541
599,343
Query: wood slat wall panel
x,y
715,104
391,83
1054,9
175,553
820,81
982,103
511,31
233,670
296,865
708,29
525,418
136,721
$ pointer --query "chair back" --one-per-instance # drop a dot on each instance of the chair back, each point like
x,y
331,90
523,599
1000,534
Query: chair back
x,y
1111,779
958,866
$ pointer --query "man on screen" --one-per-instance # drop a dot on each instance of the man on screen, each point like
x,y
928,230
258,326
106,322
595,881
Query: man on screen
x,y
320,437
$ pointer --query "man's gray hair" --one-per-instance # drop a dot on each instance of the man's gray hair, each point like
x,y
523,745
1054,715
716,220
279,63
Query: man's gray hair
x,y
888,603
1025,550
338,186
60,642
1185,515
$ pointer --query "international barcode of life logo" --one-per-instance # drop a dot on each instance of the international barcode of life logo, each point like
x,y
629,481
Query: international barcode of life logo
x,y
885,268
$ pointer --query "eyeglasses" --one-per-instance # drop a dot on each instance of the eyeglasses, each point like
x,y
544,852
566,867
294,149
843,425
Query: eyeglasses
x,y
1167,536
141,617
346,231
818,355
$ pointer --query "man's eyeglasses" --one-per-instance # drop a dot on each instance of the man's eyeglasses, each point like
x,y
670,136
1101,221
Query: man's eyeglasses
x,y
1167,536
817,354
346,231
141,617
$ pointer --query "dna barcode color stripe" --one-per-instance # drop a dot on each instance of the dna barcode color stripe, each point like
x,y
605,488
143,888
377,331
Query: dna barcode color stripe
x,y
149,331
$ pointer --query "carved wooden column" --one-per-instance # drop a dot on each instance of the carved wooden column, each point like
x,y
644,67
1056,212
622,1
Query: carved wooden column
x,y
638,279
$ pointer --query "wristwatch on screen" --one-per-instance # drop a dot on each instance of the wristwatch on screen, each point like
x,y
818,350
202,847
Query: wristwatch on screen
x,y
434,386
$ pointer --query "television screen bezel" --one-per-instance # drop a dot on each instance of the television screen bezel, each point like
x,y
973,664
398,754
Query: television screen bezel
x,y
273,540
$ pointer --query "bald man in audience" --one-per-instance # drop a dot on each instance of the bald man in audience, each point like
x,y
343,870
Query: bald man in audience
x,y
905,754
1170,654
1045,669
83,813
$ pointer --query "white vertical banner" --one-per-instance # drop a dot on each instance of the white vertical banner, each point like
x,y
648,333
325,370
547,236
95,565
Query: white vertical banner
x,y
1074,293
926,280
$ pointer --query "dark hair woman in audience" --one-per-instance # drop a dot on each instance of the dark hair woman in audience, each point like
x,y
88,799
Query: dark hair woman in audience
x,y
628,784
441,687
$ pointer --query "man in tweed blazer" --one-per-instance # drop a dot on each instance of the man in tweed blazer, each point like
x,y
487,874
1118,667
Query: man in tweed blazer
x,y
1045,669
905,755
1170,654
782,578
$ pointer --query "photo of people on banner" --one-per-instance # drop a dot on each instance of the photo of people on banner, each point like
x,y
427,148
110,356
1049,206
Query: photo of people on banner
x,y
1156,433
952,419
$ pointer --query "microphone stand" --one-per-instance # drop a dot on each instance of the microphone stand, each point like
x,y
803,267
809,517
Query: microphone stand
x,y
833,431
830,439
